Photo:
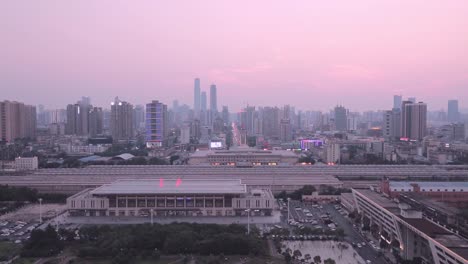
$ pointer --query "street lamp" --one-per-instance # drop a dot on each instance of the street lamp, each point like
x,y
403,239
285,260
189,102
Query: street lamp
x,y
151,211
40,210
248,221
289,214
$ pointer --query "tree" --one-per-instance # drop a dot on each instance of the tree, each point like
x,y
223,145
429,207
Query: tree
x,y
287,257
329,261
307,257
317,259
297,254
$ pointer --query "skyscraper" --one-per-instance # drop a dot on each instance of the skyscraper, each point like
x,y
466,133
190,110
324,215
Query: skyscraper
x,y
341,119
17,120
397,99
121,120
213,99
452,114
196,98
412,99
414,121
156,124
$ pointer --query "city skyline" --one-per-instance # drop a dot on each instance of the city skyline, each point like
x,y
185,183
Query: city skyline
x,y
310,55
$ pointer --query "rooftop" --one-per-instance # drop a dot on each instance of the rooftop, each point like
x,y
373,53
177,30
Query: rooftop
x,y
430,185
451,241
247,151
166,186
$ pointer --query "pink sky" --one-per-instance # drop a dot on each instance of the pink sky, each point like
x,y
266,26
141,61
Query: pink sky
x,y
311,54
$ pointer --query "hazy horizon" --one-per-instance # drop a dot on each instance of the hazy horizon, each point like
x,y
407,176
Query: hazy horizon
x,y
309,54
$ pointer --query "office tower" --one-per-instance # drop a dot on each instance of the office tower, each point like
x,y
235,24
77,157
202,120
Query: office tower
x,y
452,113
139,117
397,99
213,100
95,121
341,119
271,117
17,120
412,99
285,125
414,120
156,124
121,120
196,98
226,116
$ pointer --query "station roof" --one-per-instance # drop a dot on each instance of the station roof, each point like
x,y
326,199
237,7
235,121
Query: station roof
x,y
431,185
171,186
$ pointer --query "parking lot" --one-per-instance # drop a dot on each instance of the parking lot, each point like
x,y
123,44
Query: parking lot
x,y
328,217
16,226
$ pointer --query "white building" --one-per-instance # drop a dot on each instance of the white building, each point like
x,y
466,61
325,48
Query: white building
x,y
26,163
167,197
333,153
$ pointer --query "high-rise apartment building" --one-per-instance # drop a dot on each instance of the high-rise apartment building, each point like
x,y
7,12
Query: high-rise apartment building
x,y
139,117
397,99
271,118
121,120
196,98
453,114
341,119
285,125
213,99
392,124
17,120
414,120
95,121
156,124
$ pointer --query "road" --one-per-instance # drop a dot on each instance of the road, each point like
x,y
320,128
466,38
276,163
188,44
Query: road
x,y
352,235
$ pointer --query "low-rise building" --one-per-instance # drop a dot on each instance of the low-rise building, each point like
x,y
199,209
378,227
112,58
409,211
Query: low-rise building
x,y
169,197
26,163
